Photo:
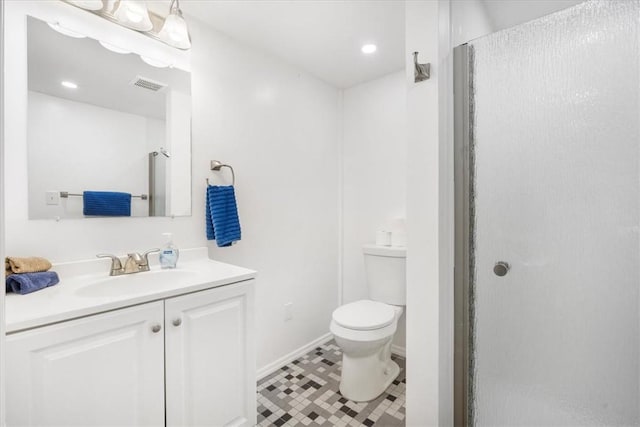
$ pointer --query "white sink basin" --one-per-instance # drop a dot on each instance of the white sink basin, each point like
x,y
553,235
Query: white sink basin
x,y
135,283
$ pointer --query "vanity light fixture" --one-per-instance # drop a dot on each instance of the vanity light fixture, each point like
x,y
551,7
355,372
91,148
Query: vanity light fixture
x,y
69,85
133,14
174,31
63,30
369,48
110,6
88,4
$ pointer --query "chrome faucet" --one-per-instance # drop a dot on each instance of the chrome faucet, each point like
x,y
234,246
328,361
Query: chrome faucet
x,y
116,265
135,263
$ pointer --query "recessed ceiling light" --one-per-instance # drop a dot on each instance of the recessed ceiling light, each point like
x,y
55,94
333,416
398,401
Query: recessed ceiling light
x,y
70,85
369,48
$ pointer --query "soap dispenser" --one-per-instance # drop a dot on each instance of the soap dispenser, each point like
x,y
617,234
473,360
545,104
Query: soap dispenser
x,y
169,253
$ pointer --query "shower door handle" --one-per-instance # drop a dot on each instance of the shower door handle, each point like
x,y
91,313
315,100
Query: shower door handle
x,y
501,268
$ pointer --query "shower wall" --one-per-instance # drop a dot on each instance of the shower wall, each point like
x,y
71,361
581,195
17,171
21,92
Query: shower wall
x,y
555,135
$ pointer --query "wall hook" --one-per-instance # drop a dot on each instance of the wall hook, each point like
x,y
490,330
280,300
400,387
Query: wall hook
x,y
421,72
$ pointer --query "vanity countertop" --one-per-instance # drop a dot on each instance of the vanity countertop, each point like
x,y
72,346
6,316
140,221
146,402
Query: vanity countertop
x,y
86,288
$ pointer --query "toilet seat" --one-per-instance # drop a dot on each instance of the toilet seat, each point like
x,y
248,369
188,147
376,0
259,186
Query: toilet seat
x,y
364,315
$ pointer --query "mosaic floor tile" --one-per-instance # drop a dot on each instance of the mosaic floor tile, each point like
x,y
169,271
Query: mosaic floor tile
x,y
306,393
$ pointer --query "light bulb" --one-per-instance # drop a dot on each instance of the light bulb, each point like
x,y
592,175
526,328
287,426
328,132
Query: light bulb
x,y
174,31
134,14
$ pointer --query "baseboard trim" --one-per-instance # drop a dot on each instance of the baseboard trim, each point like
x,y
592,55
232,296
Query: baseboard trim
x,y
400,351
290,357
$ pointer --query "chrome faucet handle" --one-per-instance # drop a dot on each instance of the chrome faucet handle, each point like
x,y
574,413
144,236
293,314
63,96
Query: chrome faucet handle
x,y
135,257
135,263
116,265
145,255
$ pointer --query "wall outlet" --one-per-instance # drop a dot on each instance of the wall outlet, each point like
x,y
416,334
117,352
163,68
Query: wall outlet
x,y
52,197
288,311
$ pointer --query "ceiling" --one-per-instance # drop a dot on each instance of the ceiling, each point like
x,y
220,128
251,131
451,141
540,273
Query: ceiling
x,y
324,37
509,13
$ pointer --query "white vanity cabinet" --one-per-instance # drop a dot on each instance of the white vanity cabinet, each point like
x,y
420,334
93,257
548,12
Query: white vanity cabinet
x,y
194,351
210,358
106,369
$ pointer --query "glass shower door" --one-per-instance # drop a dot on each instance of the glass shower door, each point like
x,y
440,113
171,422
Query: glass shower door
x,y
554,196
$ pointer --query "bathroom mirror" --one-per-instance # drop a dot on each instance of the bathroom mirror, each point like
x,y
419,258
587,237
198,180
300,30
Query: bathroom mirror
x,y
101,119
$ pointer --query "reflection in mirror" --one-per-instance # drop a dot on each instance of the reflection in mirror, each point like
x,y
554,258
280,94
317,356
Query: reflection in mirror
x,y
104,122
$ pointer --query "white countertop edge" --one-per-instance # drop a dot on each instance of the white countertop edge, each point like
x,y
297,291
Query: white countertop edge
x,y
60,303
115,305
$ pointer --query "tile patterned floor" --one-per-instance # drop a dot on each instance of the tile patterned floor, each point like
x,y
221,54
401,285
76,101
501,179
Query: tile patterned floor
x,y
306,393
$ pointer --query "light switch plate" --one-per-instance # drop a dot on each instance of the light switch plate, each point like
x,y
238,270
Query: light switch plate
x,y
53,197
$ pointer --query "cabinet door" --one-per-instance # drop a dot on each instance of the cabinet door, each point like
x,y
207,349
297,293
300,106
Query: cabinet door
x,y
99,370
210,357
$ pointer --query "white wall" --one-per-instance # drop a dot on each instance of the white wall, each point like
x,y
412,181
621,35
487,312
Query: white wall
x,y
429,218
67,153
178,168
278,127
374,174
432,28
280,130
2,225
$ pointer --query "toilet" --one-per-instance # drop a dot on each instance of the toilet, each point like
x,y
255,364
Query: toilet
x,y
364,329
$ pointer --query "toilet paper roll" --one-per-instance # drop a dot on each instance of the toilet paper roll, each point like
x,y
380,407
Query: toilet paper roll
x,y
383,238
399,238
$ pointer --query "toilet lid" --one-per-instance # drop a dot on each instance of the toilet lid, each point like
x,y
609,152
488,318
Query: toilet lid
x,y
364,315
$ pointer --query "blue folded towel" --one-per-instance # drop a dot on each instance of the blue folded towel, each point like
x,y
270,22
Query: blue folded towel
x,y
106,203
223,224
25,283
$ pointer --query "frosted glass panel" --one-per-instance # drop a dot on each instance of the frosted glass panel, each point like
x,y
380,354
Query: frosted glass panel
x,y
557,185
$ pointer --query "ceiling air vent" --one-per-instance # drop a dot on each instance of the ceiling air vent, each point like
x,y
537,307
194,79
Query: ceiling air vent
x,y
147,83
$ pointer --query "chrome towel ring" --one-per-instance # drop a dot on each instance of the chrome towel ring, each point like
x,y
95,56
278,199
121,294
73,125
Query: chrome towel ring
x,y
217,165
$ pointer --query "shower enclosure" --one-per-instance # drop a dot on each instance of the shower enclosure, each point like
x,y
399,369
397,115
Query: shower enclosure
x,y
158,182
547,221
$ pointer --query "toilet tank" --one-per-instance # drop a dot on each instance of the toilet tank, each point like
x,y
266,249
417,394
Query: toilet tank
x,y
385,269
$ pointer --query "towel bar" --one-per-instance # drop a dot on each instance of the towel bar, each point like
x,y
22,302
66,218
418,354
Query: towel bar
x,y
66,194
217,165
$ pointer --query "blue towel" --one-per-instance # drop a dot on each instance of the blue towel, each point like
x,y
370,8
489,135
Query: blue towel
x,y
223,224
106,203
25,283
